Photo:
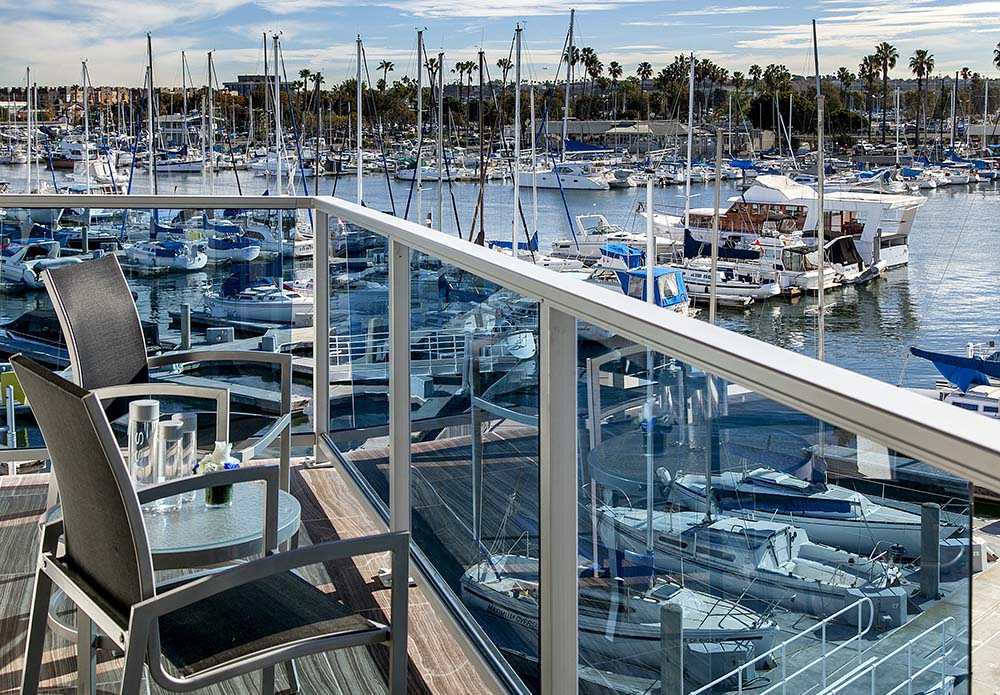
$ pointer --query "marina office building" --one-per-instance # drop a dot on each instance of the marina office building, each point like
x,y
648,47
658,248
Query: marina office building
x,y
600,495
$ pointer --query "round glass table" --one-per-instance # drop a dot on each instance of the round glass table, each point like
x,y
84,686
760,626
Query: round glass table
x,y
196,536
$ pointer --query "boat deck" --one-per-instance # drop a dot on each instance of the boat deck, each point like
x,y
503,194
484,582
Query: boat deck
x,y
330,510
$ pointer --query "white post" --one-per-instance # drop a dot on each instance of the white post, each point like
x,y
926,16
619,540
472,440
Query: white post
x,y
517,140
278,144
321,328
420,120
440,143
558,518
648,408
690,147
399,386
360,125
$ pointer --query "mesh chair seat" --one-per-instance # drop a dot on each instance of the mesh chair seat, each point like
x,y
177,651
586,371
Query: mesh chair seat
x,y
267,613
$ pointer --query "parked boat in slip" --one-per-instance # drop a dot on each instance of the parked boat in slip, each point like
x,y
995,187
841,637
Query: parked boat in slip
x,y
767,560
223,248
621,624
174,255
261,301
830,514
22,264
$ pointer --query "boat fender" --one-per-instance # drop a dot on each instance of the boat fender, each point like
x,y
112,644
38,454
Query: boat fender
x,y
663,475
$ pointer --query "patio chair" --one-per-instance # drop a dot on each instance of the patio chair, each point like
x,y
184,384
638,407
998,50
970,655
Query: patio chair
x,y
107,352
207,627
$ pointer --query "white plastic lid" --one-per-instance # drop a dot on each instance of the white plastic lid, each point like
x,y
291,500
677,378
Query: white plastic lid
x,y
171,430
144,411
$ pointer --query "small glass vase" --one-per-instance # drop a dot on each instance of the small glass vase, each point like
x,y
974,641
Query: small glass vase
x,y
219,496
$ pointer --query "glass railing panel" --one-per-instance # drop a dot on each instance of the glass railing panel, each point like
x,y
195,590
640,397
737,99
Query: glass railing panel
x,y
207,280
732,544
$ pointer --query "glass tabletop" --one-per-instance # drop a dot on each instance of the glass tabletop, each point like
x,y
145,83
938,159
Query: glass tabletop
x,y
196,528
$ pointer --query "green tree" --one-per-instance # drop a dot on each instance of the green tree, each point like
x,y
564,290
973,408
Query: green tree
x,y
868,73
615,71
921,65
887,56
644,71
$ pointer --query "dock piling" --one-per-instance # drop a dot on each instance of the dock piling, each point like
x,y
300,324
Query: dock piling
x,y
671,649
185,326
930,550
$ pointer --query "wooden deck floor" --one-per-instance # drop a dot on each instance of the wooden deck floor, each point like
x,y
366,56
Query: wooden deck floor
x,y
329,511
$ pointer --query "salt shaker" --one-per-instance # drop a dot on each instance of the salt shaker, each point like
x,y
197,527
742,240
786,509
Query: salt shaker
x,y
189,449
170,435
143,440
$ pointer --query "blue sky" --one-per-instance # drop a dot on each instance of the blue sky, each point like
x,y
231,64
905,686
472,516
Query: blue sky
x,y
54,35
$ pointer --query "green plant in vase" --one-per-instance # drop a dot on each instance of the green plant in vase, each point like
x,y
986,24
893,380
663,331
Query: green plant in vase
x,y
220,459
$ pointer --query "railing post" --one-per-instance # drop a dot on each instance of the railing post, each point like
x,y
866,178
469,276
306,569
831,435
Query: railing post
x,y
321,328
399,386
557,377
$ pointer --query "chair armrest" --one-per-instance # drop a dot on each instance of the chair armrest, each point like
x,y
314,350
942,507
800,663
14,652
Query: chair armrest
x,y
156,388
396,543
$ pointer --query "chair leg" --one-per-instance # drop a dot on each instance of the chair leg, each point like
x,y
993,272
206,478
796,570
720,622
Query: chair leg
x,y
35,641
292,674
135,664
267,681
86,655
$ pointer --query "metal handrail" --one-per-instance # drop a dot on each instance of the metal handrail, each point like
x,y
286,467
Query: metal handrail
x,y
783,648
947,647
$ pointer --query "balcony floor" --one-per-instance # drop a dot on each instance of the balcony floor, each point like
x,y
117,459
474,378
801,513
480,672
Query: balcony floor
x,y
330,511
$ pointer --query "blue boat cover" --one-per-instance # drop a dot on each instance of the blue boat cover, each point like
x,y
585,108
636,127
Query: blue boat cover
x,y
963,372
577,146
633,258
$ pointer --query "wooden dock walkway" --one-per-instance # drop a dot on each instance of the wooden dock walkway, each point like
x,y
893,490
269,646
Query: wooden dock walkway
x,y
330,510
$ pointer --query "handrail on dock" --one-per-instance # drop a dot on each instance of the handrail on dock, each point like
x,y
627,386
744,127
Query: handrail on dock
x,y
782,648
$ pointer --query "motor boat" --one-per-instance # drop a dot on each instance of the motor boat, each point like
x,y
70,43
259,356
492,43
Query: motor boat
x,y
22,264
221,248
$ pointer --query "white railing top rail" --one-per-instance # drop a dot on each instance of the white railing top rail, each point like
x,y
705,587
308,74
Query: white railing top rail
x,y
965,444
782,648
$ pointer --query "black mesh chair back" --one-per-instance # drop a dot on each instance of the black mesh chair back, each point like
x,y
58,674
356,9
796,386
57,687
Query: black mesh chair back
x,y
104,535
100,323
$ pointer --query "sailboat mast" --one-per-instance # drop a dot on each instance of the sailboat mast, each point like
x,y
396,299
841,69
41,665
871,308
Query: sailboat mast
x,y
897,127
359,167
648,415
534,166
690,147
569,82
986,108
440,143
954,89
277,121
820,212
210,162
420,121
482,148
149,119
31,153
713,291
86,122
517,140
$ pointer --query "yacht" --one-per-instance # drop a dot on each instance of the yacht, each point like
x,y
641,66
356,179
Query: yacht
x,y
880,223
594,231
221,248
737,284
568,175
768,560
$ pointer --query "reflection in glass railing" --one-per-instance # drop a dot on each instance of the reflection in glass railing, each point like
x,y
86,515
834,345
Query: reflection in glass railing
x,y
806,552
208,280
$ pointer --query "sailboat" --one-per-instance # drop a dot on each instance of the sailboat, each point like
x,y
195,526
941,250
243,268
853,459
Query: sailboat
x,y
620,624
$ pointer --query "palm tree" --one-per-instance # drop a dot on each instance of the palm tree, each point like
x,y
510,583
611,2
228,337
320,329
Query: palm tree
x,y
386,66
887,56
868,73
921,65
996,56
644,71
615,71
755,74
846,79
505,65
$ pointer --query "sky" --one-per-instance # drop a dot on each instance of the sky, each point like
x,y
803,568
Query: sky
x,y
54,36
